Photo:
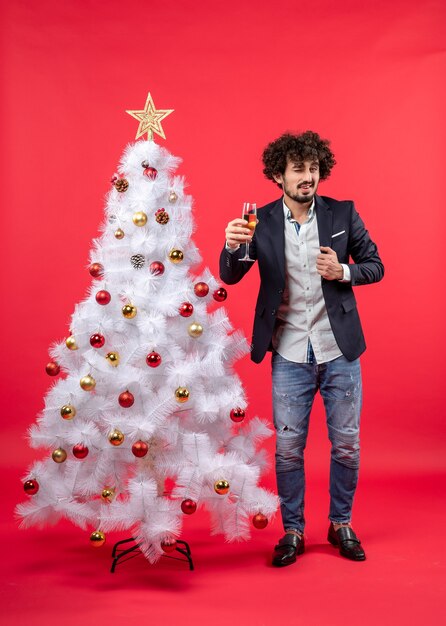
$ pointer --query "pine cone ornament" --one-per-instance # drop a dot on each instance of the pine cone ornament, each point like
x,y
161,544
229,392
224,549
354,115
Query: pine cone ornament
x,y
137,260
121,185
162,216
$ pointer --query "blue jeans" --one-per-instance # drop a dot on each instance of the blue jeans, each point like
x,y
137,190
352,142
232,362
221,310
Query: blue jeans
x,y
294,388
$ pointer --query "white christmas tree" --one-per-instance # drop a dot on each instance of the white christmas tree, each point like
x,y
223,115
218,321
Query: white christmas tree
x,y
148,391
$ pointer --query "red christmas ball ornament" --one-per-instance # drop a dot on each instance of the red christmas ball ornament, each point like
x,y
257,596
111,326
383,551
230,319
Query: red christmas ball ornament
x,y
186,309
103,297
237,415
188,506
156,268
97,340
169,545
126,399
52,368
153,359
80,451
140,449
260,521
201,289
96,270
31,486
220,294
151,173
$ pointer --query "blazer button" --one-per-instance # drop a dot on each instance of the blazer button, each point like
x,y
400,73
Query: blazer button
x,y
280,291
273,312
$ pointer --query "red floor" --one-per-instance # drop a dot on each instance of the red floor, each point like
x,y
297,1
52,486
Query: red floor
x,y
53,576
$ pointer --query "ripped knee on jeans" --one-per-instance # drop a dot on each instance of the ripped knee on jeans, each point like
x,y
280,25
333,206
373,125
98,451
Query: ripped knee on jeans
x,y
289,449
286,428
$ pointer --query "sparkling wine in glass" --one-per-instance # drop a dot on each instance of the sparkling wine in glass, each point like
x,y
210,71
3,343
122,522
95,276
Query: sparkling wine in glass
x,y
249,214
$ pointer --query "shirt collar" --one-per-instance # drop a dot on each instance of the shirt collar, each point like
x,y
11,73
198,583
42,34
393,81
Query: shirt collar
x,y
289,217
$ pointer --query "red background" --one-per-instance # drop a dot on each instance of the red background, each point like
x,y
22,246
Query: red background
x,y
368,76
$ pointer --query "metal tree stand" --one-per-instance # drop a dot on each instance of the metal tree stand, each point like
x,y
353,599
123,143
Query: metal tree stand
x,y
121,555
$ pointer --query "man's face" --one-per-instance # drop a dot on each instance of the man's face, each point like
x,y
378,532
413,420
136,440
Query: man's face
x,y
300,180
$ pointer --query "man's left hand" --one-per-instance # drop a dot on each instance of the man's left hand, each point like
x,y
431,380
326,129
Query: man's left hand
x,y
328,266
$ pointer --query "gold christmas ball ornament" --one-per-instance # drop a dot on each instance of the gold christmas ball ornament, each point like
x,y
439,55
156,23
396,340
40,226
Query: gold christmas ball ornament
x,y
195,330
97,538
221,487
59,455
116,437
119,233
176,256
71,344
113,358
129,311
173,197
140,218
68,411
182,394
87,382
107,495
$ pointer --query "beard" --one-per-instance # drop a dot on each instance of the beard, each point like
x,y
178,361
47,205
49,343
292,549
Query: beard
x,y
301,199
298,197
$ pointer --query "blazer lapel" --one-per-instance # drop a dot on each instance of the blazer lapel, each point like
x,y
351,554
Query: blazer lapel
x,y
324,216
275,228
276,234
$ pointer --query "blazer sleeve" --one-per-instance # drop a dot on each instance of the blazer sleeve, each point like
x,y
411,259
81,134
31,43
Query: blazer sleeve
x,y
231,269
367,267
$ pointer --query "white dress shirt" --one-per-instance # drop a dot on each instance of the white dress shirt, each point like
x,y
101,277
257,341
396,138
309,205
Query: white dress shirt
x,y
302,316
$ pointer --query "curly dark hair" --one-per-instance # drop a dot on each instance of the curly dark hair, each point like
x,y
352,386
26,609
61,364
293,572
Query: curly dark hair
x,y
295,148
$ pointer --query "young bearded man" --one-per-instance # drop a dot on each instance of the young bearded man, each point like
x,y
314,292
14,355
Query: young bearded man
x,y
311,251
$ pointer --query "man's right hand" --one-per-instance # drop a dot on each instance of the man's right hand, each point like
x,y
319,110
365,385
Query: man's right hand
x,y
237,233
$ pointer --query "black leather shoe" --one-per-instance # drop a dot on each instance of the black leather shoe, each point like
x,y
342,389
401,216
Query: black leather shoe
x,y
348,543
287,549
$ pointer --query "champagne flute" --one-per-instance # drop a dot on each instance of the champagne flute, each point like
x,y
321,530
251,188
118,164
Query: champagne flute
x,y
249,214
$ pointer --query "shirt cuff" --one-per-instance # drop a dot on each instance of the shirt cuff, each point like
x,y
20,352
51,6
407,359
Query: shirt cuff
x,y
231,250
347,276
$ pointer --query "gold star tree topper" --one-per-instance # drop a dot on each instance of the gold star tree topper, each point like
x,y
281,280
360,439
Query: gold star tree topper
x,y
150,119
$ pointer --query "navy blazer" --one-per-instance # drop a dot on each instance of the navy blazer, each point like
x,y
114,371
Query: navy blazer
x,y
268,248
